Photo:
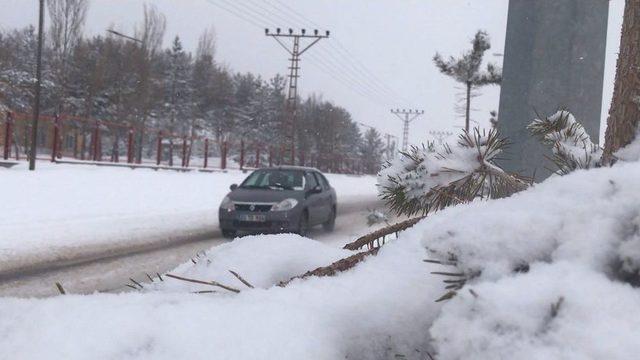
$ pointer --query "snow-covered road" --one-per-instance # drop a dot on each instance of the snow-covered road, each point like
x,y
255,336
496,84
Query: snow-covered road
x,y
109,274
65,219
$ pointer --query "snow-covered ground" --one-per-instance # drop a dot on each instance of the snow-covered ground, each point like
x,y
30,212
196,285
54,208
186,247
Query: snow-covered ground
x,y
552,274
61,211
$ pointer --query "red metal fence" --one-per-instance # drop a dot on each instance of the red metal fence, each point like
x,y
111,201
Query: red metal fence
x,y
75,139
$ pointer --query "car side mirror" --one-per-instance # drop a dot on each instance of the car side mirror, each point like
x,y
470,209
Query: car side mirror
x,y
316,190
233,187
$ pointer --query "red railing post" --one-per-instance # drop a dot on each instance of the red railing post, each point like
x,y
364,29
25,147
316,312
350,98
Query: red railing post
x,y
8,132
223,156
130,146
99,142
242,154
184,151
206,152
94,143
257,156
56,136
281,158
159,149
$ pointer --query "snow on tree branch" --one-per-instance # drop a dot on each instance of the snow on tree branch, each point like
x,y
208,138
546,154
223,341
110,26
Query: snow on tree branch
x,y
433,177
571,145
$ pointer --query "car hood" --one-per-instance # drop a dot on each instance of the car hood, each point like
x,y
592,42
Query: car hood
x,y
263,195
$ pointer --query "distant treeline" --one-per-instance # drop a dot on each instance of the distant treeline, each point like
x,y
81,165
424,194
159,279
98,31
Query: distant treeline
x,y
112,78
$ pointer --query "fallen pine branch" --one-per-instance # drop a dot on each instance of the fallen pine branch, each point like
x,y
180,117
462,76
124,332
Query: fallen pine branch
x,y
369,239
210,283
60,289
241,279
338,266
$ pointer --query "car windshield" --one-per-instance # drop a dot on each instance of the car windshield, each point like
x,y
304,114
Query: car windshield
x,y
275,179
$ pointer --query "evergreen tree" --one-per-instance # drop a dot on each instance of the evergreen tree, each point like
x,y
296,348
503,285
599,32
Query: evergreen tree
x,y
466,70
372,150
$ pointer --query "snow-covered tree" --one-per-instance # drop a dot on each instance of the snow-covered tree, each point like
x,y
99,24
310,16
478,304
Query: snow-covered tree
x,y
145,86
466,70
176,91
67,18
372,150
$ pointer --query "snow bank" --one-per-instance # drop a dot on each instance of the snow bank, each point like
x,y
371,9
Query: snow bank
x,y
379,309
574,238
551,275
62,210
263,261
559,311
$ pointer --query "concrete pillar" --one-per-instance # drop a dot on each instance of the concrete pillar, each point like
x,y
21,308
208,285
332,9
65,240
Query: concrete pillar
x,y
554,59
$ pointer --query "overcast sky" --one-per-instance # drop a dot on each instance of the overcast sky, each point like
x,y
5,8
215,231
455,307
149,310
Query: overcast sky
x,y
378,56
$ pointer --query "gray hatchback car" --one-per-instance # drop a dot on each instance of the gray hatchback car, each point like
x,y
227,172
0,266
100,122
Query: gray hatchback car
x,y
278,200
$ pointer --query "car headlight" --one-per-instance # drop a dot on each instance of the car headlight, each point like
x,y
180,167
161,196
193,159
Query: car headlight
x,y
227,204
284,205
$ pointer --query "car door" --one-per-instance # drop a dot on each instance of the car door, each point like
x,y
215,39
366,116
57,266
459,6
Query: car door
x,y
313,200
326,198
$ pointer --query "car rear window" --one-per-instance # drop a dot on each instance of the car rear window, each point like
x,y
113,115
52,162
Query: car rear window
x,y
312,182
324,181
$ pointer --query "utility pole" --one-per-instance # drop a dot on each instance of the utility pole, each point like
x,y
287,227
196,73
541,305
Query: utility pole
x,y
440,135
289,126
390,149
36,106
407,116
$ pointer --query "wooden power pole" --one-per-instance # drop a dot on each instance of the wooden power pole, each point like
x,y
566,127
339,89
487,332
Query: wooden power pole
x,y
36,106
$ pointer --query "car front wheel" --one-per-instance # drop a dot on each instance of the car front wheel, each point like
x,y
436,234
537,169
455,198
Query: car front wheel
x,y
330,225
229,234
303,225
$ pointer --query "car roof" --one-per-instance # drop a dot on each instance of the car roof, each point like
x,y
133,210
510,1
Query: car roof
x,y
291,167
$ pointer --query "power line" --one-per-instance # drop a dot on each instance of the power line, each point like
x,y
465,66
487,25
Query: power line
x,y
253,17
348,80
328,64
234,13
340,48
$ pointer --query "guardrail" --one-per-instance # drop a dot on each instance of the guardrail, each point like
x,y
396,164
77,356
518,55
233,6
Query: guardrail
x,y
66,138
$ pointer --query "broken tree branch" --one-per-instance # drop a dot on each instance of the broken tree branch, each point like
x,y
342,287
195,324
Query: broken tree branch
x,y
210,283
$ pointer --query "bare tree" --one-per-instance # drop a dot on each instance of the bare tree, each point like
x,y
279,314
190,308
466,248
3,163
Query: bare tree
x,y
67,20
151,33
207,44
624,113
152,30
466,70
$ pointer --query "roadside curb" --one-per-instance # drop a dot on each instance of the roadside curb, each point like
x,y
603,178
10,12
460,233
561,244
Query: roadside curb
x,y
20,266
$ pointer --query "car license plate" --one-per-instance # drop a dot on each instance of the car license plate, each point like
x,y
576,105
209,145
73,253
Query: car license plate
x,y
253,218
